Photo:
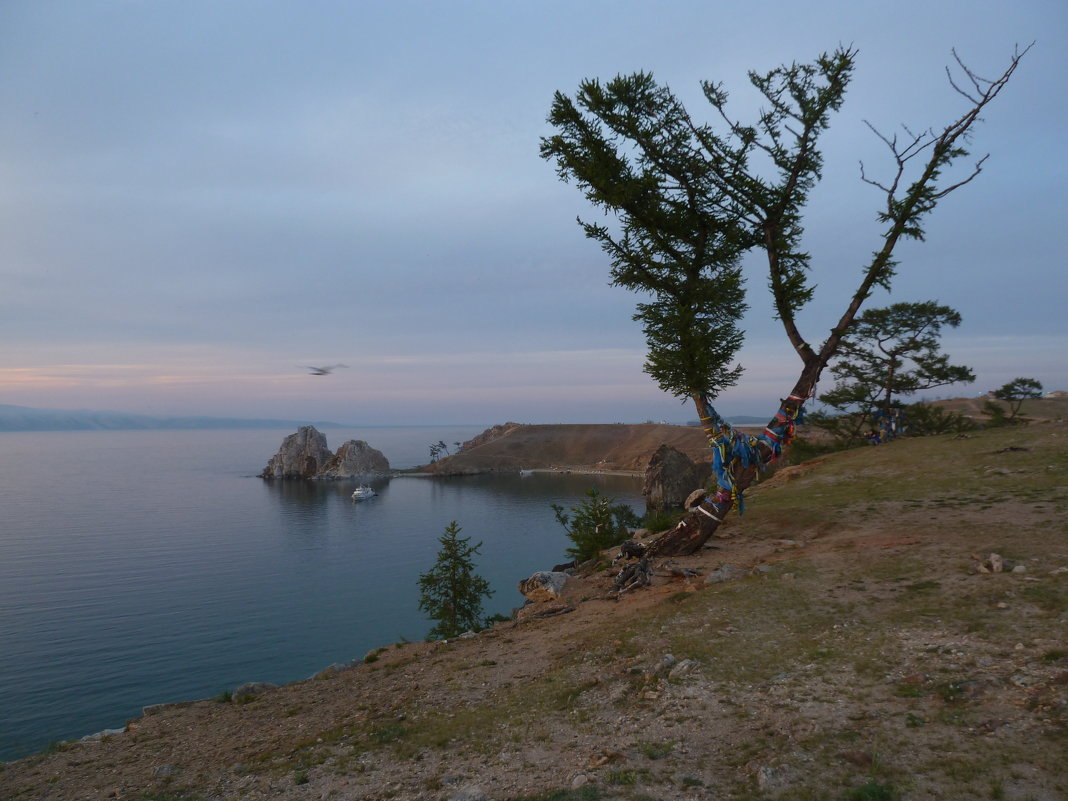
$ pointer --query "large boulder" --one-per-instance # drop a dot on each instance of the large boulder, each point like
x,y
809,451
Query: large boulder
x,y
355,458
670,477
302,455
543,585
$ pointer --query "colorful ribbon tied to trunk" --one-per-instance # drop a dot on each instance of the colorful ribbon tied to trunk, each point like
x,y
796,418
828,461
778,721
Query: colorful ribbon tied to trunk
x,y
733,450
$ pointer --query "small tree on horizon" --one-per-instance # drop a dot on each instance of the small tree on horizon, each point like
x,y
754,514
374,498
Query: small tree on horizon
x,y
889,353
451,592
1014,393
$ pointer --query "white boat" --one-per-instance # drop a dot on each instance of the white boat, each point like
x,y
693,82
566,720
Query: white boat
x,y
363,492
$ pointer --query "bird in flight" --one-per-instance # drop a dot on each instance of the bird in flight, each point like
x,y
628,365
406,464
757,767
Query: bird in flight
x,y
323,370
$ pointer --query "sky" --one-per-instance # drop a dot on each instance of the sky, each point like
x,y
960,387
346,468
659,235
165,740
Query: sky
x,y
201,198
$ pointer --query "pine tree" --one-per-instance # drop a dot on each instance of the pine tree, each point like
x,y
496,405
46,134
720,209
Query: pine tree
x,y
1015,393
595,524
450,592
888,353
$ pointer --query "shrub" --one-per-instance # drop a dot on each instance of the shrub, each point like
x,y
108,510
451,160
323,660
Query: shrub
x,y
925,420
595,524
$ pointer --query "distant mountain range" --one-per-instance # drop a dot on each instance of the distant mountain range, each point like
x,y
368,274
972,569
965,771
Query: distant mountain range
x,y
24,418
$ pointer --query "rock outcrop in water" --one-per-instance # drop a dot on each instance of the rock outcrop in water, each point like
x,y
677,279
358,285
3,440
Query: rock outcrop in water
x,y
305,455
355,458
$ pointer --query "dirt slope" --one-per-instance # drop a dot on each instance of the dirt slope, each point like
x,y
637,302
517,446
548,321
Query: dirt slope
x,y
840,643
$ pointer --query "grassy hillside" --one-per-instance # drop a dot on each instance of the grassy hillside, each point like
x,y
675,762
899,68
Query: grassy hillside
x,y
840,642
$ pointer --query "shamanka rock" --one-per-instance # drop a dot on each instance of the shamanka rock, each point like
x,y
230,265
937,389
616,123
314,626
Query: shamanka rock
x,y
302,455
355,458
305,455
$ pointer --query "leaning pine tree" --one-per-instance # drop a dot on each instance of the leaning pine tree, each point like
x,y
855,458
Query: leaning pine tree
x,y
690,201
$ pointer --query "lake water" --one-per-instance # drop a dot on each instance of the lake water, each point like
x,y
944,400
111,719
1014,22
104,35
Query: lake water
x,y
139,567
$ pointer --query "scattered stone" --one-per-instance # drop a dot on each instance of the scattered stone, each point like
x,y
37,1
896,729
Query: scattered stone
x,y
769,778
155,709
100,735
606,758
994,563
862,759
1019,569
581,780
683,668
250,688
469,794
161,771
543,585
725,572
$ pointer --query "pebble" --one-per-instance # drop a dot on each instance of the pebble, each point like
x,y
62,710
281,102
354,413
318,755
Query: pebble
x,y
470,794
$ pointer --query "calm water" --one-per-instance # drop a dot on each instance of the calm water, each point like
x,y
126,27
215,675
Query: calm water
x,y
138,567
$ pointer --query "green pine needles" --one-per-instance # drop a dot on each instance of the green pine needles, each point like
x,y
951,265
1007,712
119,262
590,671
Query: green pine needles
x,y
595,524
451,592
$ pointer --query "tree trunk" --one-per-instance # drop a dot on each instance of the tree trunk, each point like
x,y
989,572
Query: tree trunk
x,y
737,459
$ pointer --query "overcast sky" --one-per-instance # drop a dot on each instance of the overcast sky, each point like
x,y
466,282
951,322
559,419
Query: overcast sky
x,y
197,199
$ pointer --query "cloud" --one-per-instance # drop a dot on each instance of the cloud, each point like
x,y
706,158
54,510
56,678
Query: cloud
x,y
219,192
